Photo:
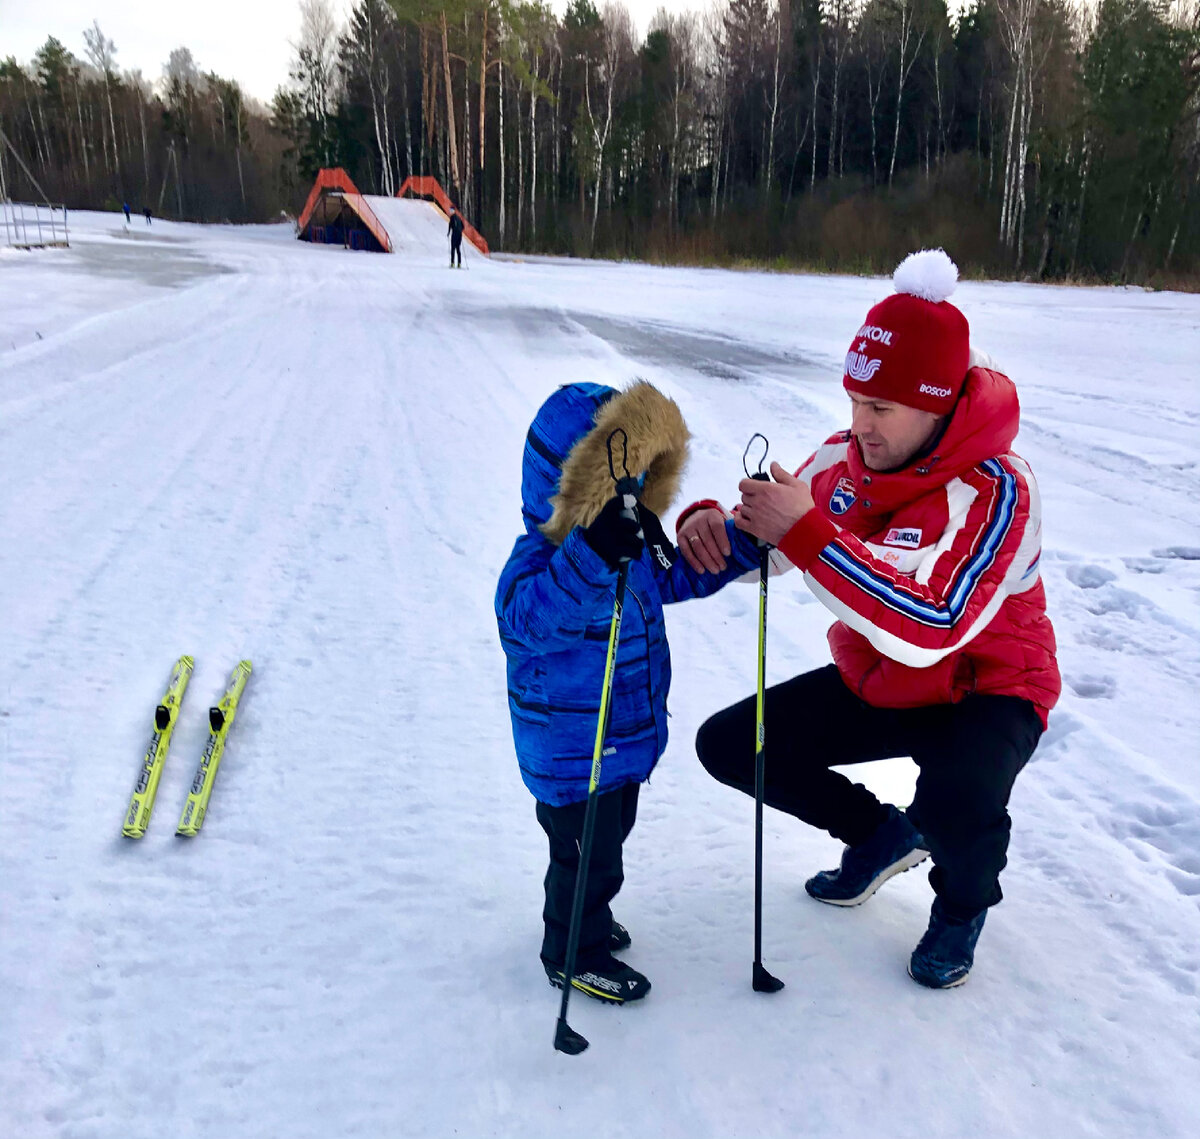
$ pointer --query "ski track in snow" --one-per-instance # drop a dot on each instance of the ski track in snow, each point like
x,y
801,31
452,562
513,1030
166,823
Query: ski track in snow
x,y
222,442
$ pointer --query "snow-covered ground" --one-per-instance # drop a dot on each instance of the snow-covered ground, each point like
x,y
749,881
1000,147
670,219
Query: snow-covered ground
x,y
226,443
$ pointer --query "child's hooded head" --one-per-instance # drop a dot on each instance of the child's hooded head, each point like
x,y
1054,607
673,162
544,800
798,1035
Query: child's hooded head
x,y
565,473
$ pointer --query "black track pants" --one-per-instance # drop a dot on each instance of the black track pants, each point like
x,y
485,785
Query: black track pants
x,y
456,250
968,754
616,812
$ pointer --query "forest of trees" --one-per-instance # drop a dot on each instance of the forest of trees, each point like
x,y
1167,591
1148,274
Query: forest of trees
x,y
1047,139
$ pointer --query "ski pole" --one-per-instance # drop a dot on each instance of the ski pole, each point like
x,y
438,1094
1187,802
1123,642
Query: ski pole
x,y
566,1039
761,980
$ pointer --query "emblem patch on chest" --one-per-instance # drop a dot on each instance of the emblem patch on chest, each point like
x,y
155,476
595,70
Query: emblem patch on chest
x,y
907,536
843,497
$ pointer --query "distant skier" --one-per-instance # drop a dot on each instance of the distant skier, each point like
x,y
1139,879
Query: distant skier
x,y
146,211
455,231
554,604
128,213
920,530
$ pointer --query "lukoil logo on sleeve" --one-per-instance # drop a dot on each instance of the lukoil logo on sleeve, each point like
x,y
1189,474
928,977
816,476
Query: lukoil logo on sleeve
x,y
907,536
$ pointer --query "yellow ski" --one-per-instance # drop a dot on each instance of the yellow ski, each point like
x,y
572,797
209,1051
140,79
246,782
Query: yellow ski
x,y
141,803
219,720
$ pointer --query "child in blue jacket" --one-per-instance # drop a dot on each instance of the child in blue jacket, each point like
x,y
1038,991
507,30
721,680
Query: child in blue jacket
x,y
554,606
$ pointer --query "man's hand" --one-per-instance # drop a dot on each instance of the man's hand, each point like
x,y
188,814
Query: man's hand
x,y
770,509
703,540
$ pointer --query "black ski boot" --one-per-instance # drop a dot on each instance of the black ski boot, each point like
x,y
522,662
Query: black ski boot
x,y
611,981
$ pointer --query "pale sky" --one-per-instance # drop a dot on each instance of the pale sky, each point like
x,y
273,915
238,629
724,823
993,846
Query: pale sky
x,y
246,40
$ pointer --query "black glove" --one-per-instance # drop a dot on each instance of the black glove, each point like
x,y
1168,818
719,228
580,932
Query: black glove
x,y
662,549
616,535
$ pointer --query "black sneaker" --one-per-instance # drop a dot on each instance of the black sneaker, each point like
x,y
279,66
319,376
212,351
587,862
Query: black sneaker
x,y
611,981
893,848
944,956
619,938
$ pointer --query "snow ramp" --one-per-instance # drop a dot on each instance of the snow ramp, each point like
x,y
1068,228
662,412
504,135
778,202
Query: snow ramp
x,y
418,230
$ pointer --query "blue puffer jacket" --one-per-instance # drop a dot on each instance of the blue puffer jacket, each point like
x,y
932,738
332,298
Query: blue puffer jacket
x,y
554,608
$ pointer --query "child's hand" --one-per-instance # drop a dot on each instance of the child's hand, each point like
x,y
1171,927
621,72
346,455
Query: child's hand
x,y
615,536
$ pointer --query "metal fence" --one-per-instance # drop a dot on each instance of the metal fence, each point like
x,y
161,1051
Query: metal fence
x,y
25,225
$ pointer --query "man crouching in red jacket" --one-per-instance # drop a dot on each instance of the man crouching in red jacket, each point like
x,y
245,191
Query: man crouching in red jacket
x,y
921,532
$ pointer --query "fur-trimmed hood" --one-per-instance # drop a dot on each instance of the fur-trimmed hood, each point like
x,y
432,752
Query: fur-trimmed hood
x,y
565,475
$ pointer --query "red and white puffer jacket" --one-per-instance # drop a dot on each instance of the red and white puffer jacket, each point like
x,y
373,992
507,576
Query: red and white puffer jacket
x,y
932,571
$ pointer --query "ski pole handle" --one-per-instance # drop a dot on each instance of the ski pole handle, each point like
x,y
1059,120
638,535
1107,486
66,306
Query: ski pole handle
x,y
628,489
762,476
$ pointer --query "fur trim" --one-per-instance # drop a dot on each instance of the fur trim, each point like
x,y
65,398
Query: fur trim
x,y
658,446
980,359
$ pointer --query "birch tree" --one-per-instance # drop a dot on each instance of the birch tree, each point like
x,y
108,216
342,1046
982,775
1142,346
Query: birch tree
x,y
102,53
314,72
369,52
679,110
873,54
601,82
910,35
841,30
1017,25
772,92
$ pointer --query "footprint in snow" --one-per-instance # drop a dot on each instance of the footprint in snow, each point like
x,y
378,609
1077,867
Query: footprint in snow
x,y
1053,742
1093,687
1089,576
1168,821
1184,553
1144,565
1123,602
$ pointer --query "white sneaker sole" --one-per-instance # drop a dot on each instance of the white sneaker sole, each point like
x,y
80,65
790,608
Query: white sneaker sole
x,y
938,988
911,859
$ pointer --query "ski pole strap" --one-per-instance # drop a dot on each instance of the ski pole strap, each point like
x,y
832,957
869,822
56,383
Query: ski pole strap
x,y
612,466
760,473
759,476
627,486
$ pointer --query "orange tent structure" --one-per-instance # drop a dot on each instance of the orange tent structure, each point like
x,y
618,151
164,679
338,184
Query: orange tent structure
x,y
335,214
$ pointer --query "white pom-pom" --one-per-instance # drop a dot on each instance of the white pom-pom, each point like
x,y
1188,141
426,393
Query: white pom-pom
x,y
929,274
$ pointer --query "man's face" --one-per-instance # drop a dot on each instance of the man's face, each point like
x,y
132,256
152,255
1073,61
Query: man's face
x,y
890,434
